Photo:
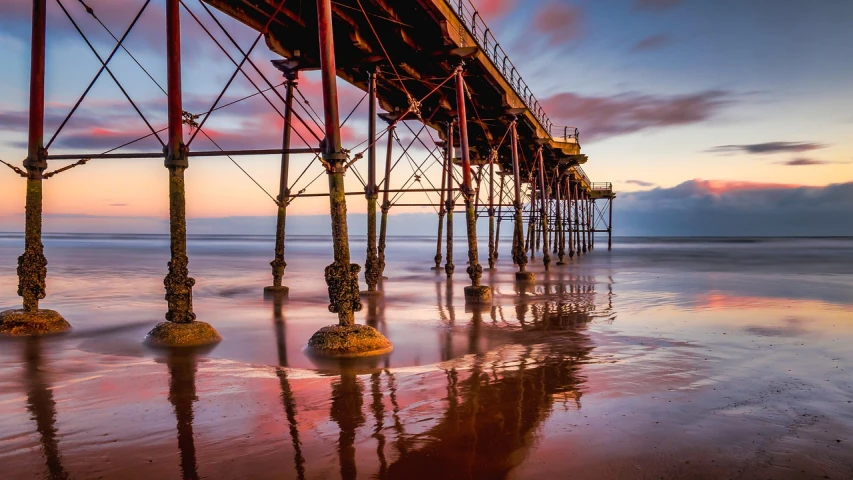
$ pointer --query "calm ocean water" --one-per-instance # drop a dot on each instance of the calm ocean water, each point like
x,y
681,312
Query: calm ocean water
x,y
666,357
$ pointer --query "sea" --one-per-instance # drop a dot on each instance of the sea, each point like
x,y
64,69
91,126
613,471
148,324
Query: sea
x,y
661,358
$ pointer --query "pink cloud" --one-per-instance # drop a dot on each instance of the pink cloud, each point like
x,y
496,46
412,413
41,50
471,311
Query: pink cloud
x,y
718,187
599,117
493,9
558,22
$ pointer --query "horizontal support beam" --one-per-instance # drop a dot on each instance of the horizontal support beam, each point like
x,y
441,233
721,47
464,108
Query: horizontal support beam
x,y
211,153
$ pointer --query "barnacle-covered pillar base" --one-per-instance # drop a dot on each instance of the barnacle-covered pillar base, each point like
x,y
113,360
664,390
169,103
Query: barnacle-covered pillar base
x,y
39,322
478,294
348,341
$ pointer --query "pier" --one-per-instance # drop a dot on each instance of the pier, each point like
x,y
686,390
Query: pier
x,y
433,64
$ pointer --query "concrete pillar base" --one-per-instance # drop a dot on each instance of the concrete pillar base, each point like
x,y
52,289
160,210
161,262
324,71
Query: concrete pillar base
x,y
41,322
525,277
370,293
193,334
348,341
478,294
273,291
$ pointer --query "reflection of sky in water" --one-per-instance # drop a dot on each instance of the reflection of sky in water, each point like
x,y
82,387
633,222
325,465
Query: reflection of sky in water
x,y
610,355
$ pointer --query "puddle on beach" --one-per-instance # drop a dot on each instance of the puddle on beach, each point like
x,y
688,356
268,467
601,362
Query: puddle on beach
x,y
617,365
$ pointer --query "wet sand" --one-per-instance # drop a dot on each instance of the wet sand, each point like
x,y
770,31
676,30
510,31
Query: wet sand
x,y
662,359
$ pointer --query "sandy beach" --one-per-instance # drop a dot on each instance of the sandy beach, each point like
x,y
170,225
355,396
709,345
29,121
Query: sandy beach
x,y
665,358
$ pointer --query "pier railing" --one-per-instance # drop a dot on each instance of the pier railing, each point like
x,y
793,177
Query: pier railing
x,y
566,134
473,22
582,175
601,187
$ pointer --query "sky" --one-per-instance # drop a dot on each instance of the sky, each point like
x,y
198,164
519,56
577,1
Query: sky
x,y
740,106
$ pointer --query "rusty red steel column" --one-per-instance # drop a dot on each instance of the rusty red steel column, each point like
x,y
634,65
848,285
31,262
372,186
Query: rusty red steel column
x,y
450,203
500,215
371,192
591,222
519,252
610,223
181,327
543,196
341,276
32,264
576,192
558,221
531,219
278,264
346,338
475,293
571,225
441,212
492,160
584,221
386,202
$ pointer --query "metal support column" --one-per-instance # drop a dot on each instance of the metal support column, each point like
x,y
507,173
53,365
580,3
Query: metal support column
x,y
32,264
180,329
569,221
610,224
584,221
492,161
386,199
558,225
441,212
475,293
500,218
341,276
371,192
543,195
448,165
519,253
278,264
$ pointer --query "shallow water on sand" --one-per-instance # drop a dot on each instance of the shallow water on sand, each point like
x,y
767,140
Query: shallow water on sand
x,y
697,358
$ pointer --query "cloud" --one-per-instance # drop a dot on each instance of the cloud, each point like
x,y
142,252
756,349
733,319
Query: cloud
x,y
652,42
559,23
656,5
103,124
640,183
599,117
768,148
735,208
798,162
494,9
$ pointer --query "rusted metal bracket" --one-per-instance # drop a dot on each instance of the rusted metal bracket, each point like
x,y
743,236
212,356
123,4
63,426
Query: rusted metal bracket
x,y
15,169
82,161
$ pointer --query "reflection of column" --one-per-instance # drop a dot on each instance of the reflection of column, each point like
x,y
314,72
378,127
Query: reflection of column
x,y
42,407
447,333
346,412
182,370
378,409
474,331
286,392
